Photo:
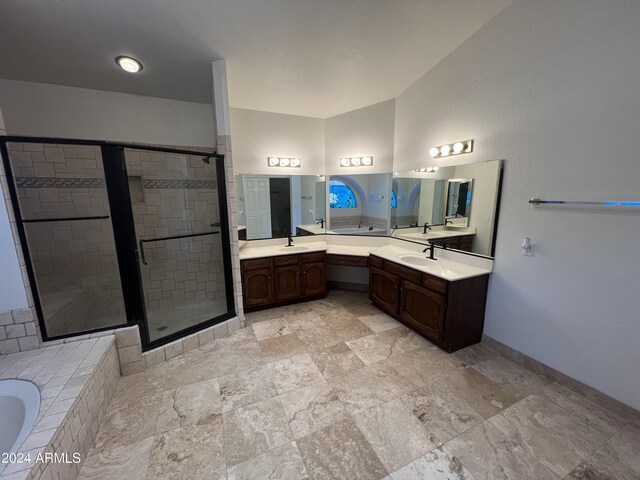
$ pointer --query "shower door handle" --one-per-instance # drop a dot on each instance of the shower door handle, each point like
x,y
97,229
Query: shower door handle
x,y
140,253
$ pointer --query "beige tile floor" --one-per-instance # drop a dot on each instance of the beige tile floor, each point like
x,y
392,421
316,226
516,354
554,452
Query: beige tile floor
x,y
335,389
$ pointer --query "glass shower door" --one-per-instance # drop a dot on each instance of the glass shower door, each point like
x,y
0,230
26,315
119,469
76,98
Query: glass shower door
x,y
176,214
67,223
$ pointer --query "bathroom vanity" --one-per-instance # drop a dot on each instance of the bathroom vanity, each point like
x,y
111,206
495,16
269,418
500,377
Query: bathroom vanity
x,y
448,313
279,280
443,299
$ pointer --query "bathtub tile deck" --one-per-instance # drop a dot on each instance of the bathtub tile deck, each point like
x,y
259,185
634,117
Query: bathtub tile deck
x,y
76,379
367,399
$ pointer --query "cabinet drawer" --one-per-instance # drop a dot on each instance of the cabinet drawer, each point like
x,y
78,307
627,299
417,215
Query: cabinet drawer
x,y
347,260
403,272
256,263
375,261
313,257
286,260
434,283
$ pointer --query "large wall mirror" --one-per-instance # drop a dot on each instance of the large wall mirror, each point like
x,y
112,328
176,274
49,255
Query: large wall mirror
x,y
458,204
272,206
359,204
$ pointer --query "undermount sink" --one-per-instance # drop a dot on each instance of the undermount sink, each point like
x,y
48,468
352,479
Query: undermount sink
x,y
416,260
294,249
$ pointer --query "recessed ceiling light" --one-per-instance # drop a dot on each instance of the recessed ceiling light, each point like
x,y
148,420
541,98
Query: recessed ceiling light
x,y
129,64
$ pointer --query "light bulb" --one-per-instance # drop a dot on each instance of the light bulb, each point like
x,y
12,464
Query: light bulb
x,y
344,162
434,151
129,64
355,161
284,162
458,147
295,162
273,161
367,161
445,150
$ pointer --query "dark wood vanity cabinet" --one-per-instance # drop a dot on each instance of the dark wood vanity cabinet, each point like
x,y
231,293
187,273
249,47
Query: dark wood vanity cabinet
x,y
464,242
423,310
287,282
273,281
449,314
256,286
384,289
313,279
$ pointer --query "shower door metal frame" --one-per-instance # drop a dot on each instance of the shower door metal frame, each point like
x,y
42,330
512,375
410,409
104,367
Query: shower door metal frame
x,y
117,188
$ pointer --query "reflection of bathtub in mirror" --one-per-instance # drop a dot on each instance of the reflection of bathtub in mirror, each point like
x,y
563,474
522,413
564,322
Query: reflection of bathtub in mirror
x,y
361,230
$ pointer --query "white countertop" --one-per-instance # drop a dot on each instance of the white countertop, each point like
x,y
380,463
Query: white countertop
x,y
280,249
441,267
417,235
312,228
355,250
446,266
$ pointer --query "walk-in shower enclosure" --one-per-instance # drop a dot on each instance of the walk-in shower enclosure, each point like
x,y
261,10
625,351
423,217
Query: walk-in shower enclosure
x,y
121,234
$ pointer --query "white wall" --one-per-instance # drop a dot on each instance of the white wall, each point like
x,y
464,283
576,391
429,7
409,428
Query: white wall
x,y
38,109
257,135
378,185
12,293
366,131
552,88
483,200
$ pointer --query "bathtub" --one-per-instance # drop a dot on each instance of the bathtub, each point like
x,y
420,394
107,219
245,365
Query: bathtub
x,y
362,230
19,407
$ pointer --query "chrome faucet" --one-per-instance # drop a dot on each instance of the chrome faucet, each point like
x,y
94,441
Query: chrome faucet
x,y
320,221
426,227
289,240
430,248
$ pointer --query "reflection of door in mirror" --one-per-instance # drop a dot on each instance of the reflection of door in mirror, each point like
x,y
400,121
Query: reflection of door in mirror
x,y
258,206
459,198
280,201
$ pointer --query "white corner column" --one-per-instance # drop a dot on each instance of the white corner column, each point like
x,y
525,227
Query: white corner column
x,y
222,121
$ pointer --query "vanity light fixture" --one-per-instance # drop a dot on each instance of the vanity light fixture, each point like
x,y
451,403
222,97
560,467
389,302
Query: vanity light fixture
x,y
456,148
128,64
284,162
366,161
427,169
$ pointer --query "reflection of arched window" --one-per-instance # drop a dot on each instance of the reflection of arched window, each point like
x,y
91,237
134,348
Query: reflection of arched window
x,y
394,200
341,195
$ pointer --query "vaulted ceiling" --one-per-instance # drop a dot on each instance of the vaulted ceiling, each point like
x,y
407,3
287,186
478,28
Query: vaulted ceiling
x,y
315,58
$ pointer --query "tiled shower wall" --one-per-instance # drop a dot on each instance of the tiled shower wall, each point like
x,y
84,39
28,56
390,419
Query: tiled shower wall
x,y
74,261
19,330
175,194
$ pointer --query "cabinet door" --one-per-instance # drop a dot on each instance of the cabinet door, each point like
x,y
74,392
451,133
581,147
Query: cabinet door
x,y
287,282
313,279
466,243
423,309
257,289
383,290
